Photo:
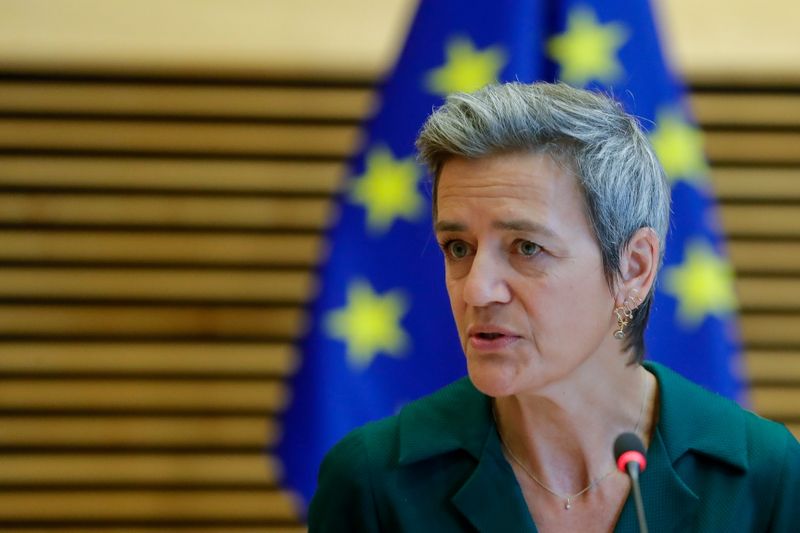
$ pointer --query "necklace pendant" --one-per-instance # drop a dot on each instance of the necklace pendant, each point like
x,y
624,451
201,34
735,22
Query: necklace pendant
x,y
567,505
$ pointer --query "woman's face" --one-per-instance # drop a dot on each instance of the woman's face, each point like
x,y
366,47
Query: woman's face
x,y
524,272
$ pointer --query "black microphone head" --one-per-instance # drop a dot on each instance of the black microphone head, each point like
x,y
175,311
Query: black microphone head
x,y
627,442
629,448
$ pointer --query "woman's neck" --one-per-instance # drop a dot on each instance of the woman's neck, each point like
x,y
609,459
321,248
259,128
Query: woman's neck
x,y
564,435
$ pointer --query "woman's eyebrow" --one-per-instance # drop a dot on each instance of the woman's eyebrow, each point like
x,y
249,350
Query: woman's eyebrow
x,y
509,225
524,225
445,225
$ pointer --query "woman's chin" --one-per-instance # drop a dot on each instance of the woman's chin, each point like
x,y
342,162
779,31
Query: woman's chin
x,y
492,377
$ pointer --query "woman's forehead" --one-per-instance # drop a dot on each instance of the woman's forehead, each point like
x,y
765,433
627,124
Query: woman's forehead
x,y
513,192
513,168
529,178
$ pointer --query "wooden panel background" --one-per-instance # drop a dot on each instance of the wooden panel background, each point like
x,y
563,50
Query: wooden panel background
x,y
752,141
157,243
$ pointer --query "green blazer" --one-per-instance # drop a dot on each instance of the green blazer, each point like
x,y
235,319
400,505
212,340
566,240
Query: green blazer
x,y
438,466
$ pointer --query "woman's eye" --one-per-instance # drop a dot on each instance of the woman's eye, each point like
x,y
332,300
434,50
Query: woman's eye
x,y
457,249
528,248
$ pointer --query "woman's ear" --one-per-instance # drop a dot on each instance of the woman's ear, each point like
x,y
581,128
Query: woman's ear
x,y
638,265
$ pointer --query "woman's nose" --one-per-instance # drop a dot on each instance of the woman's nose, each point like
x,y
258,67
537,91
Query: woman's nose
x,y
485,283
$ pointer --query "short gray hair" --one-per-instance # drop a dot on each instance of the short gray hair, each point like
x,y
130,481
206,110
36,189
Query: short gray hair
x,y
623,184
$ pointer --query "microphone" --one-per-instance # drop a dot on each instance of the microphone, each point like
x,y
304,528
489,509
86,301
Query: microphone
x,y
629,453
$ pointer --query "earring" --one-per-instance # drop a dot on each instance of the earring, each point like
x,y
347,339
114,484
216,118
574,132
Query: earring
x,y
625,313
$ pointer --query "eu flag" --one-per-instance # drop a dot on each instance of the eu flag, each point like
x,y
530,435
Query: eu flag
x,y
380,331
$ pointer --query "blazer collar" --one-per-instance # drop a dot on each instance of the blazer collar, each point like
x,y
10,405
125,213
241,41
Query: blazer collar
x,y
491,499
457,417
692,419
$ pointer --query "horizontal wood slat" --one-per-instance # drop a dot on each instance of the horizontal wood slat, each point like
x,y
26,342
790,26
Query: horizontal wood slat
x,y
136,394
142,506
325,140
753,147
88,320
185,100
154,284
744,183
761,221
765,256
773,366
746,109
776,402
160,247
172,174
187,359
106,432
768,293
135,469
772,329
163,211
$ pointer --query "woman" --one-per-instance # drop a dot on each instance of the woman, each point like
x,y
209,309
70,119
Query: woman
x,y
551,210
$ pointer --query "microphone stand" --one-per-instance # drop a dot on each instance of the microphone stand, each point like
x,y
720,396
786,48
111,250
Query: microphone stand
x,y
633,471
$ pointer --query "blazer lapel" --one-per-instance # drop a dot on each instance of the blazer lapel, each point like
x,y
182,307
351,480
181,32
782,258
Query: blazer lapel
x,y
669,504
459,417
491,499
690,421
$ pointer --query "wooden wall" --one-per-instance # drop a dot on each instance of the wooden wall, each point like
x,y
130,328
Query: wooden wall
x,y
752,138
158,231
156,245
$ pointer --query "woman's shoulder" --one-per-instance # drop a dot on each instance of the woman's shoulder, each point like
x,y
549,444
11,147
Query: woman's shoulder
x,y
425,421
686,403
377,436
686,406
373,468
693,419
739,466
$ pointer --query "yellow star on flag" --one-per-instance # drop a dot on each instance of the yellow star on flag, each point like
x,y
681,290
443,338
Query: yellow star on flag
x,y
679,147
587,50
388,190
466,69
369,324
703,285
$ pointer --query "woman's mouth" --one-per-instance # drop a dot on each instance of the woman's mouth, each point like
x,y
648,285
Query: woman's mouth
x,y
491,340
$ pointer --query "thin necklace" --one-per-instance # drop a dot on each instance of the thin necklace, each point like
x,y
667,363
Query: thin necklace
x,y
569,497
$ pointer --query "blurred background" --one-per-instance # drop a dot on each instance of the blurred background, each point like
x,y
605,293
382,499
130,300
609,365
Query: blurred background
x,y
166,172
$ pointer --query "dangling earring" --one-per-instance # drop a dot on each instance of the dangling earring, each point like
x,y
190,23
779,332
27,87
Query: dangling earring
x,y
625,313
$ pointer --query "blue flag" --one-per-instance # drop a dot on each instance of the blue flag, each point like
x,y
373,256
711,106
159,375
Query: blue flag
x,y
380,330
